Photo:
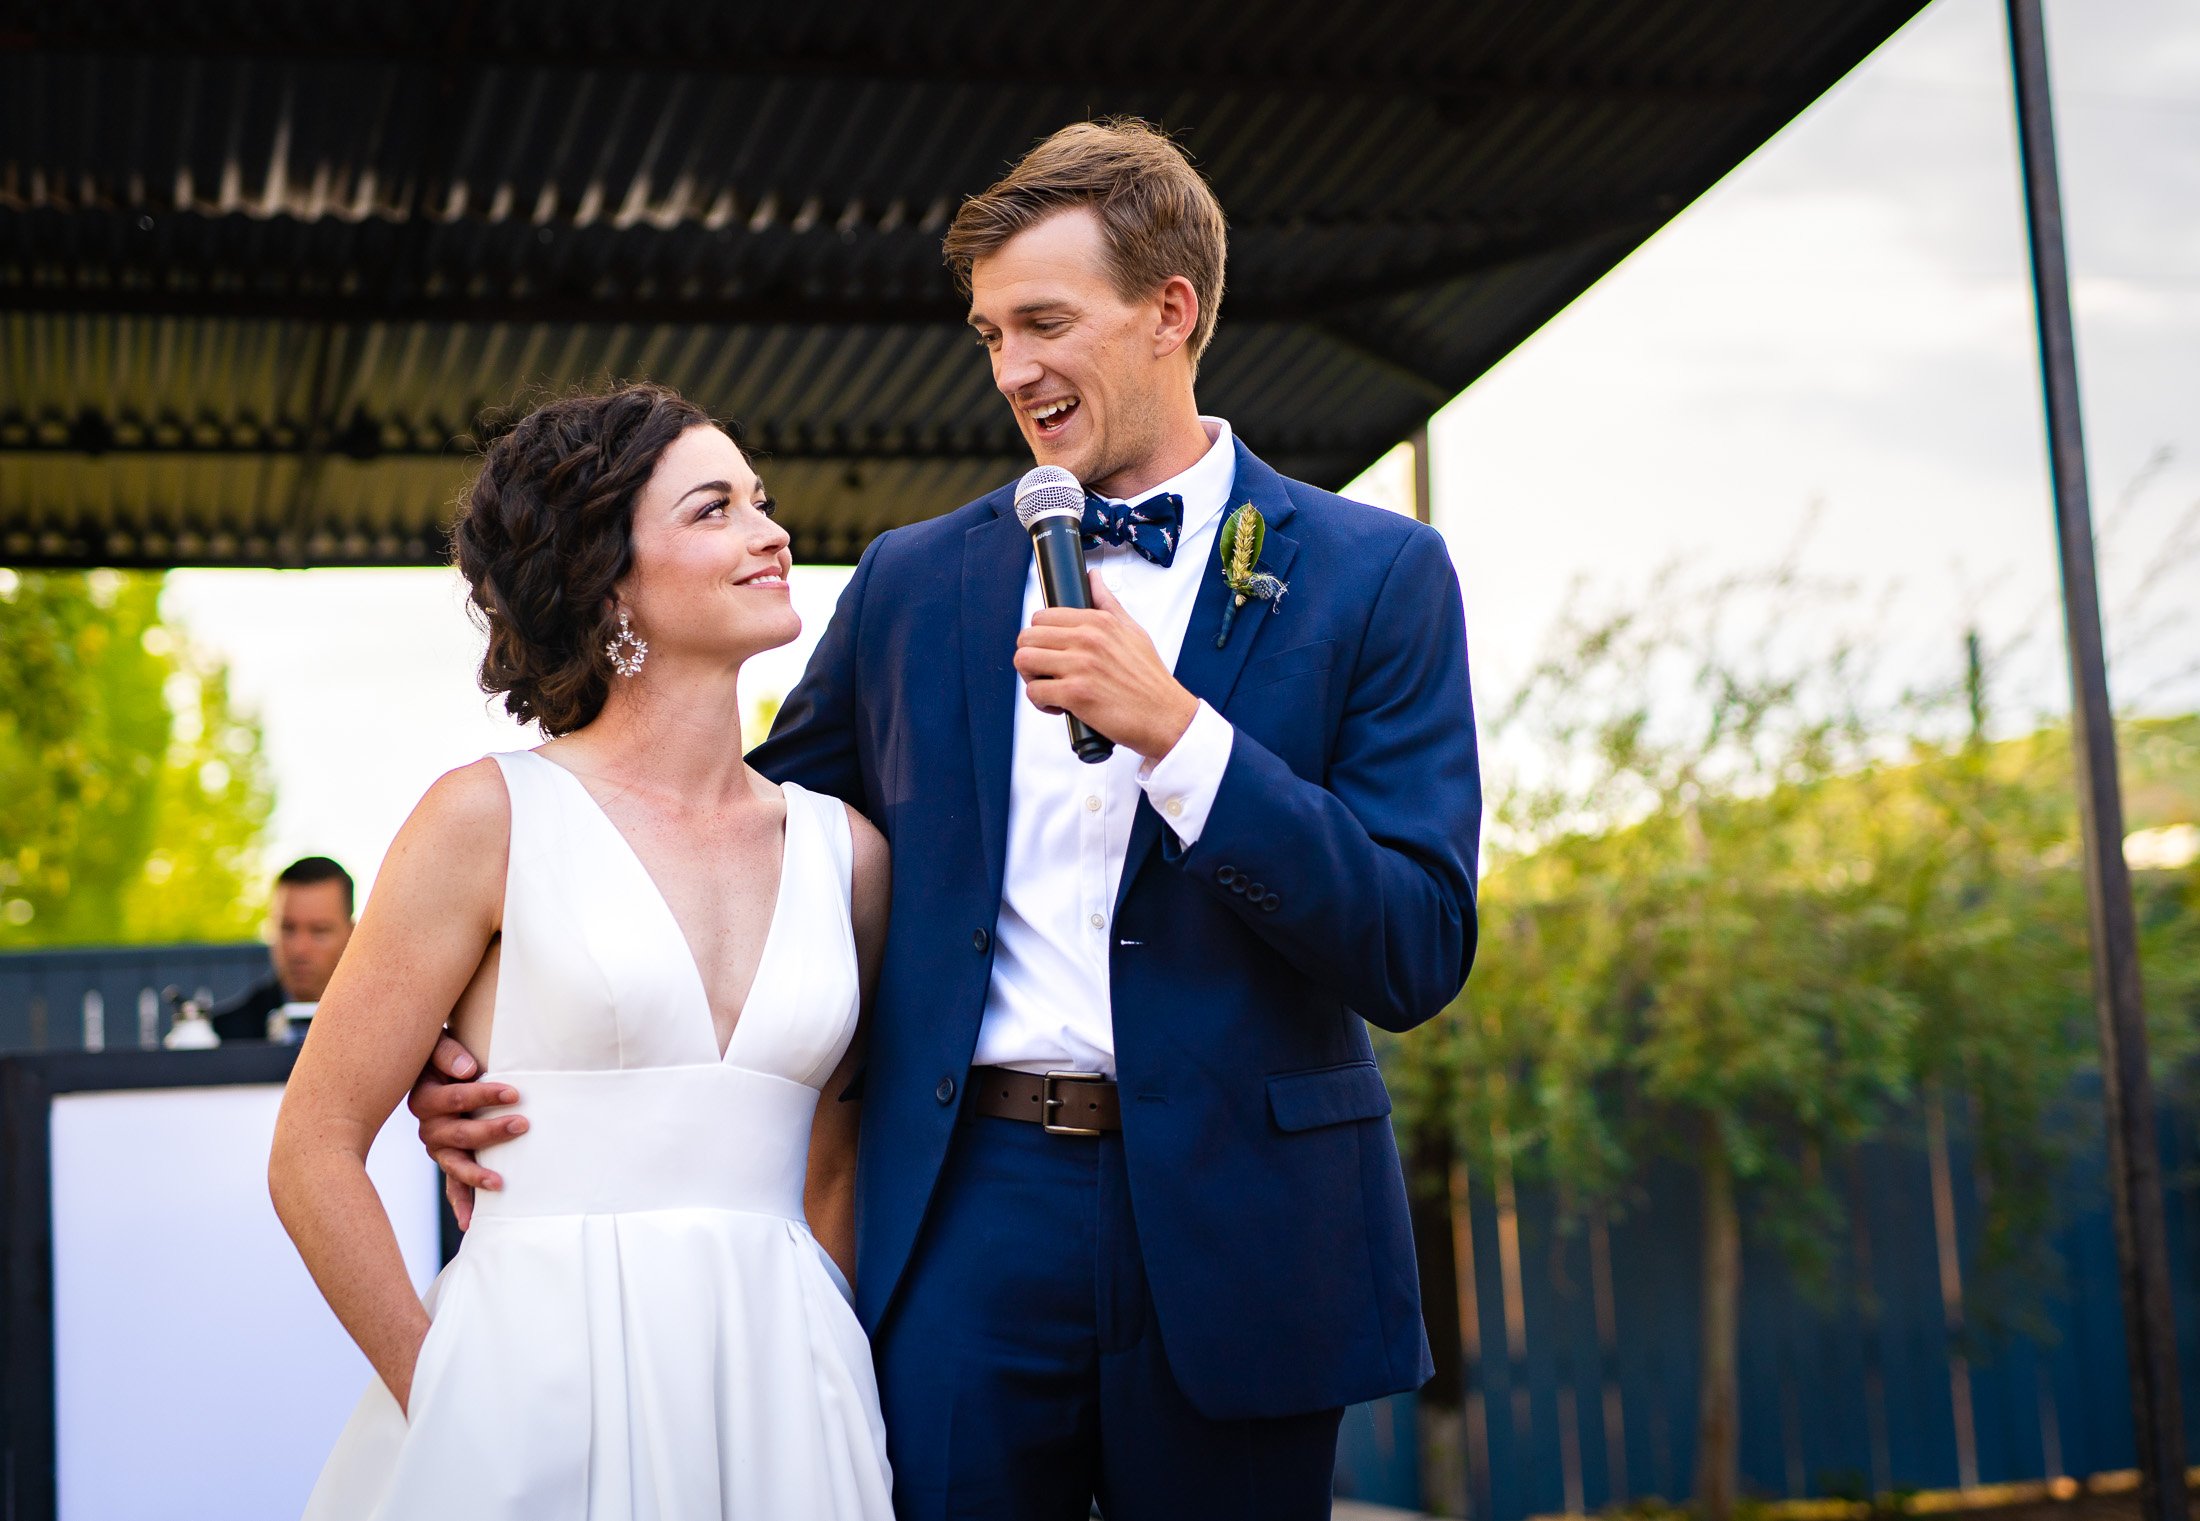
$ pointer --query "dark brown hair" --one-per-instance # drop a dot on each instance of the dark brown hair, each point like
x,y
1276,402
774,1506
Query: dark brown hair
x,y
544,534
307,870
1159,216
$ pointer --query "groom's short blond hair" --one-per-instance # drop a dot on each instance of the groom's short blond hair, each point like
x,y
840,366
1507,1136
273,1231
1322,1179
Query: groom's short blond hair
x,y
1158,214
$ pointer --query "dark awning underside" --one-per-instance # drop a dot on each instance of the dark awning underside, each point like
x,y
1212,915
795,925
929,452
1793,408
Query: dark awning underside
x,y
263,266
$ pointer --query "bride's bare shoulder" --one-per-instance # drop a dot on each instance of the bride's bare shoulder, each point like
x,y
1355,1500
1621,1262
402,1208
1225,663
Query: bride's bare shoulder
x,y
446,866
467,808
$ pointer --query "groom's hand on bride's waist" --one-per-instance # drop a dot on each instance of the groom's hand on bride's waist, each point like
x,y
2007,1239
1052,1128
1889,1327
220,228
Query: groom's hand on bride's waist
x,y
444,1101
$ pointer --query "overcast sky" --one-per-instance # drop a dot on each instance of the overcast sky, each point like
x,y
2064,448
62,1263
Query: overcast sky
x,y
1846,321
1839,334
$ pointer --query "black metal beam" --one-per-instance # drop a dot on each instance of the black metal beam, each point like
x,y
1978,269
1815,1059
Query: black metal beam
x,y
285,554
2150,1324
345,295
159,549
295,300
92,433
626,48
78,546
92,436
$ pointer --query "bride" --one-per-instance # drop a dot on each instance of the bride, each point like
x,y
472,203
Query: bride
x,y
665,956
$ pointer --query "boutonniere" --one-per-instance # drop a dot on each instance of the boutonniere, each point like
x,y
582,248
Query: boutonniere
x,y
1239,545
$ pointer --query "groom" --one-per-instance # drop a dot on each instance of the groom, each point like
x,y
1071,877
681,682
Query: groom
x,y
1131,1222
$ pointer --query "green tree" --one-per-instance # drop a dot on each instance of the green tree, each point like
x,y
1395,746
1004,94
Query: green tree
x,y
1739,913
1974,846
132,795
1679,949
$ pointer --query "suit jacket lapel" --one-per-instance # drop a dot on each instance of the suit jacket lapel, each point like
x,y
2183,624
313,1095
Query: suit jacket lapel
x,y
996,561
1205,671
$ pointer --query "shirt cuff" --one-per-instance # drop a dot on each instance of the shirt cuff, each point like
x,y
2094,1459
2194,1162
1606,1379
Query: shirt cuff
x,y
1182,784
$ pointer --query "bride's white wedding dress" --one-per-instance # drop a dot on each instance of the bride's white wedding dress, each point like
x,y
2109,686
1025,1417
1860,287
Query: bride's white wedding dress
x,y
640,1323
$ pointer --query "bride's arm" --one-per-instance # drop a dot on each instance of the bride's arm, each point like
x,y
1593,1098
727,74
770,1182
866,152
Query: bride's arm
x,y
437,901
829,1195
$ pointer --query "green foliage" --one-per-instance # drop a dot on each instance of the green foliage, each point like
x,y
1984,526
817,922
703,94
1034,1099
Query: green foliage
x,y
2160,759
132,795
1681,919
1734,904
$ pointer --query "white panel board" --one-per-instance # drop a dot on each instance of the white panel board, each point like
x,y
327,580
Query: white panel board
x,y
198,1372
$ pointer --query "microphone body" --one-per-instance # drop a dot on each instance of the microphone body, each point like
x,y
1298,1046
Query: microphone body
x,y
1051,505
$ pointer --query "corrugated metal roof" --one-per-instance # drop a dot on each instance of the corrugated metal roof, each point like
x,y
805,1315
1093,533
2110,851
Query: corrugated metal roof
x,y
262,267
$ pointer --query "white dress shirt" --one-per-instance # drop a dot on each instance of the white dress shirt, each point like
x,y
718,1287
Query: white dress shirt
x,y
1069,824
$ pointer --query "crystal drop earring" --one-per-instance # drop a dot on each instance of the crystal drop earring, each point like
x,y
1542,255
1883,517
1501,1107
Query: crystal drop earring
x,y
626,649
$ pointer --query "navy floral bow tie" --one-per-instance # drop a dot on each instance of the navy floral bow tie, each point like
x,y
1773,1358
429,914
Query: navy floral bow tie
x,y
1150,527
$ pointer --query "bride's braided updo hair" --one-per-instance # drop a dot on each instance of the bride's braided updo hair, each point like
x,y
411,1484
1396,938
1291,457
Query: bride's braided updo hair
x,y
545,533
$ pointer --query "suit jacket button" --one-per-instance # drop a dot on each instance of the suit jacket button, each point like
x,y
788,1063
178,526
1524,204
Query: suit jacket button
x,y
979,940
1257,891
945,1092
1226,875
1268,904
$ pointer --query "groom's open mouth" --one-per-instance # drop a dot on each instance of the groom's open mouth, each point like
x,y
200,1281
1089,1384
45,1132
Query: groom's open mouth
x,y
1054,416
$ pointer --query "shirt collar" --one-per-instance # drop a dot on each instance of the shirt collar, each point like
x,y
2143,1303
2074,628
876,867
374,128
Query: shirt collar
x,y
1205,483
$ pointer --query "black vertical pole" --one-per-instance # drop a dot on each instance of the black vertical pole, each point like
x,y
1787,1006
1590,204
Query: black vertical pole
x,y
2150,1332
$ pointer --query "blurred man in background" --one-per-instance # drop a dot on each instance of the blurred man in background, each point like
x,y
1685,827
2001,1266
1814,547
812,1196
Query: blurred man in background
x,y
309,924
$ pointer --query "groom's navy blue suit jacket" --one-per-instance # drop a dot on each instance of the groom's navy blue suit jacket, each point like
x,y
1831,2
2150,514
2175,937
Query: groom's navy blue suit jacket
x,y
1333,884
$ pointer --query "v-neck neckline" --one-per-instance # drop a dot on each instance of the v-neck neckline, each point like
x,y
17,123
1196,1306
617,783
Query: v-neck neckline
x,y
679,931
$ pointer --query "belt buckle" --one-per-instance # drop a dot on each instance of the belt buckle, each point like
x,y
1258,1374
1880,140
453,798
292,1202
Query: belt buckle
x,y
1048,1103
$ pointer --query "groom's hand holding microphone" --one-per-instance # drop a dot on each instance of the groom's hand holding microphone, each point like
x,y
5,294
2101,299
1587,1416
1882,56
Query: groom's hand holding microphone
x,y
1093,662
1099,665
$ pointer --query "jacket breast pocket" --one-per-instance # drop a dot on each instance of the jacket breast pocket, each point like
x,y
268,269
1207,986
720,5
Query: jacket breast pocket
x,y
1328,1096
1305,661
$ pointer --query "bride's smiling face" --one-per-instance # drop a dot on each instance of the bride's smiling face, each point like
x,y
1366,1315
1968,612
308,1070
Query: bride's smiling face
x,y
709,582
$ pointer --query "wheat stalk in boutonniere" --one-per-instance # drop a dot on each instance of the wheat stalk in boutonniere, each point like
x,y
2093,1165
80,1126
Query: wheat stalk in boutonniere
x,y
1239,545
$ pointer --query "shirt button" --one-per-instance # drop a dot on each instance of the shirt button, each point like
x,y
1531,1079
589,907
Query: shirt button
x,y
1174,808
945,1092
1092,804
1099,922
979,940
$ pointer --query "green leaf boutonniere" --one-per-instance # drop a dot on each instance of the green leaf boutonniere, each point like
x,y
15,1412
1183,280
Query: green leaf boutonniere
x,y
1239,545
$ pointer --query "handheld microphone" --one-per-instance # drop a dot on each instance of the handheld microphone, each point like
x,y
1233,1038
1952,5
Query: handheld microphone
x,y
1051,506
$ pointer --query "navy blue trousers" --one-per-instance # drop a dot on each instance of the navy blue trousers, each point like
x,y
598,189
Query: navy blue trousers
x,y
1022,1374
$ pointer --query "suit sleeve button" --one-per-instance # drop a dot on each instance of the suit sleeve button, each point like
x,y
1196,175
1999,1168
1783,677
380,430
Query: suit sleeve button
x,y
945,1092
1226,875
1256,892
1269,904
979,940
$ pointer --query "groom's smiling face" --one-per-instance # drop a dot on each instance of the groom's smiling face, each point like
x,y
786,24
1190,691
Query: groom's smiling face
x,y
1088,371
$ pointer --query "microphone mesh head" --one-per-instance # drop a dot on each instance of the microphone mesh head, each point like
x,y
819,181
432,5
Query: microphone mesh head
x,y
1048,492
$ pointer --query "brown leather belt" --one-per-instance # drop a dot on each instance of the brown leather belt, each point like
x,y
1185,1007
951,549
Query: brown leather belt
x,y
1066,1103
